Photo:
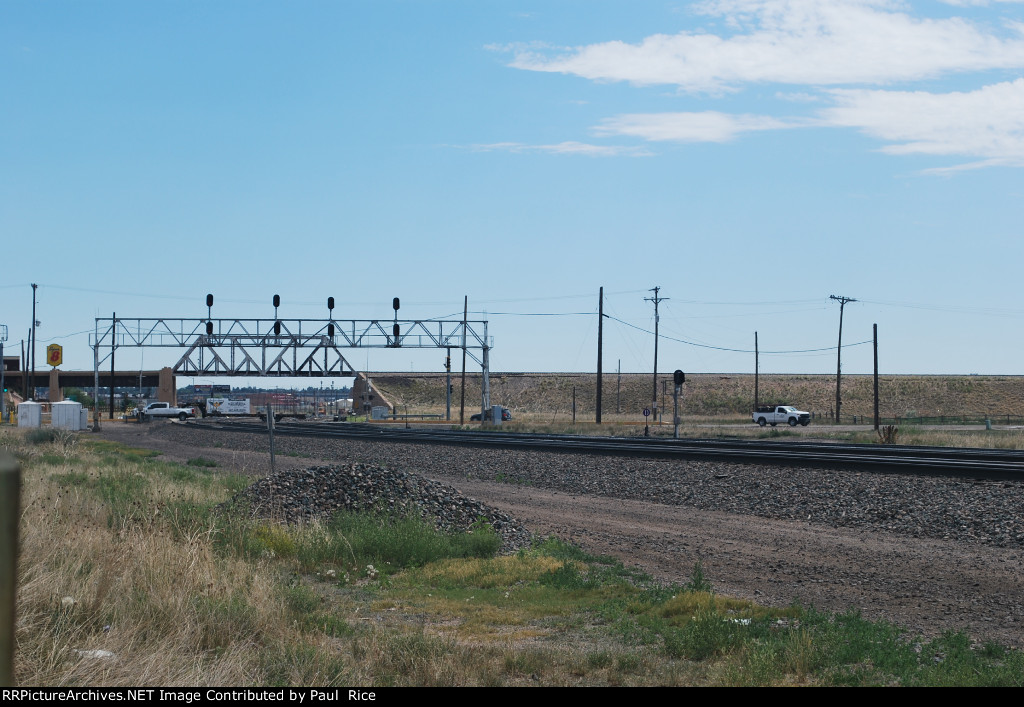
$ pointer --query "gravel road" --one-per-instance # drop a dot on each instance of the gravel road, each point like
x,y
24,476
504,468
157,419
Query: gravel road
x,y
928,554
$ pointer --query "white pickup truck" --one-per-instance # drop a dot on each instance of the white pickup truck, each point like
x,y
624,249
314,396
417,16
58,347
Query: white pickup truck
x,y
166,410
774,414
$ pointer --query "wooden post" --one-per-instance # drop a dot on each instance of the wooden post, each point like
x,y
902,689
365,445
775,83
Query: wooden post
x,y
10,497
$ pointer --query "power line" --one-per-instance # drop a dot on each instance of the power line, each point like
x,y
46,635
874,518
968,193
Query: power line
x,y
723,348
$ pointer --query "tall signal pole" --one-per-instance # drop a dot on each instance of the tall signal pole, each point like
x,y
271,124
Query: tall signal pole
x,y
839,351
600,333
654,387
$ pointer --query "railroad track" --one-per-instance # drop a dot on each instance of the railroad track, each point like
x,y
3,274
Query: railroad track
x,y
954,461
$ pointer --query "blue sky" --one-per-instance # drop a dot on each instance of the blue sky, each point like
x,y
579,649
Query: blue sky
x,y
750,157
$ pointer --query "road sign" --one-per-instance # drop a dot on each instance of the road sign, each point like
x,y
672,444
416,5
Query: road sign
x,y
647,412
54,355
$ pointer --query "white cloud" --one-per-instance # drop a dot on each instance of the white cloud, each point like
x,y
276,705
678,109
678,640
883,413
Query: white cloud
x,y
987,123
977,3
834,52
707,126
811,42
566,148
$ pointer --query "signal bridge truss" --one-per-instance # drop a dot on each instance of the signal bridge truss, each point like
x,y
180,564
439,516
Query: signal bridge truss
x,y
284,347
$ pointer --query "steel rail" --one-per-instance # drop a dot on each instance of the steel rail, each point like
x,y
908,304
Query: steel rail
x,y
956,461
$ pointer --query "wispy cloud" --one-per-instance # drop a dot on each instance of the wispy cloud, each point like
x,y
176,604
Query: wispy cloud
x,y
987,123
839,53
566,148
806,42
708,126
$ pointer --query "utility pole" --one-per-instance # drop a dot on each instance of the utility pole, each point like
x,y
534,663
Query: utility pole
x,y
618,391
600,333
875,337
462,399
32,348
3,370
448,386
113,348
654,386
839,352
757,371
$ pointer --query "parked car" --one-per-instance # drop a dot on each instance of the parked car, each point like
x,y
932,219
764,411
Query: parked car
x,y
506,415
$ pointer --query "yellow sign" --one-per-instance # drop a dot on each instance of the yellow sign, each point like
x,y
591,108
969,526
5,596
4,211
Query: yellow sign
x,y
54,355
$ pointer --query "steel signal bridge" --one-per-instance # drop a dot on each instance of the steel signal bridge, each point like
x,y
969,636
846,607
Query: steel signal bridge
x,y
302,348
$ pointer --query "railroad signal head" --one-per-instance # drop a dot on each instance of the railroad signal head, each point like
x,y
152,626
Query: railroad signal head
x,y
394,303
330,303
679,377
209,300
330,331
209,328
277,327
277,300
395,330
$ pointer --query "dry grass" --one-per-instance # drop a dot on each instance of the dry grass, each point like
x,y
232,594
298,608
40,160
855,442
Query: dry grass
x,y
550,396
148,591
127,578
123,583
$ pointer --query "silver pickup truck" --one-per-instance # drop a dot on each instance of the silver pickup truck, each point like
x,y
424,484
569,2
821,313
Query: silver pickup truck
x,y
774,414
166,410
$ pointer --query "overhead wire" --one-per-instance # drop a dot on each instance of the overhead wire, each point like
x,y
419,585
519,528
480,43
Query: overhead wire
x,y
723,348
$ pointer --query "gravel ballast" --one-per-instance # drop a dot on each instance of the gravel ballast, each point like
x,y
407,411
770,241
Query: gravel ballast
x,y
987,512
317,492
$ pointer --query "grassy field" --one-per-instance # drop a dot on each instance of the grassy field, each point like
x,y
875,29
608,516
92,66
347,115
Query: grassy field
x,y
715,395
132,574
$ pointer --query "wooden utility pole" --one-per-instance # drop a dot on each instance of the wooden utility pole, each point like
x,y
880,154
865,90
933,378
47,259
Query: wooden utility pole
x,y
654,386
462,402
113,347
32,347
839,352
600,334
874,328
757,370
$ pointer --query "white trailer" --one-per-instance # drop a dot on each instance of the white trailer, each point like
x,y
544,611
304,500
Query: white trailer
x,y
223,406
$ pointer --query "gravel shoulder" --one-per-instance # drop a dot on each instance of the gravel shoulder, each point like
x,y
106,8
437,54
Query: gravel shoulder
x,y
927,554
